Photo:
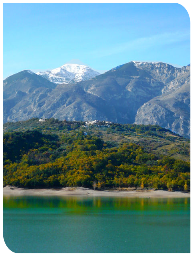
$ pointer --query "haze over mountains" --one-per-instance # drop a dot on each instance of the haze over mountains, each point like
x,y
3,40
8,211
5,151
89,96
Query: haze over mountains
x,y
136,92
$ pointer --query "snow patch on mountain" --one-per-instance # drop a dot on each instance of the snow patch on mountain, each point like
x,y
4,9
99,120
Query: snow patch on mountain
x,y
69,73
143,63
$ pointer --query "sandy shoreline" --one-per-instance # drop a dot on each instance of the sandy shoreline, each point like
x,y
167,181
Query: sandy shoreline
x,y
14,191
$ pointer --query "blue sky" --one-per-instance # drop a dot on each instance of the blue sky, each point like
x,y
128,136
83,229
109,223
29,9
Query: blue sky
x,y
46,36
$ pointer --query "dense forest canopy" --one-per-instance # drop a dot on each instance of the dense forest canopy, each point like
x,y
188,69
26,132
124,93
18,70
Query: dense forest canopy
x,y
54,153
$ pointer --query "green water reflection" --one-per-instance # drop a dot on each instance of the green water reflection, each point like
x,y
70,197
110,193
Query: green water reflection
x,y
80,205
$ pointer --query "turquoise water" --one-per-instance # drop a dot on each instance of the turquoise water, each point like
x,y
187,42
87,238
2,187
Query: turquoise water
x,y
80,225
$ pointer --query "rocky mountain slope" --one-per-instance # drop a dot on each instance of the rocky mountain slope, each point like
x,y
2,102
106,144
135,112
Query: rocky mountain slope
x,y
20,91
138,92
171,109
125,88
69,73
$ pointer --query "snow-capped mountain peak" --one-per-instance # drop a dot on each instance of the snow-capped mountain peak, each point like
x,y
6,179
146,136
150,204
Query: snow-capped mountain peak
x,y
69,73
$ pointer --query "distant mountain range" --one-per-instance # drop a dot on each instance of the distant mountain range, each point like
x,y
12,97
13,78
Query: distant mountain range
x,y
136,92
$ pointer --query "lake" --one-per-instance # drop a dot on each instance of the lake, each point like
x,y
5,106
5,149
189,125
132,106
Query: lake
x,y
96,225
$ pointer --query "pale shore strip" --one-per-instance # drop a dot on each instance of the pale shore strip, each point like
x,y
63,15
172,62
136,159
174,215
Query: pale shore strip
x,y
79,191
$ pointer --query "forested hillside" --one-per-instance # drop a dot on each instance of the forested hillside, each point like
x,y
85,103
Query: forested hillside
x,y
54,153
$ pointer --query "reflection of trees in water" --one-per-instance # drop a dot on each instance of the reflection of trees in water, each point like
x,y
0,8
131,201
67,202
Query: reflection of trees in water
x,y
79,205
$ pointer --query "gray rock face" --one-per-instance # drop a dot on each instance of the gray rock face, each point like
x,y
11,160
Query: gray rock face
x,y
170,110
161,71
182,78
